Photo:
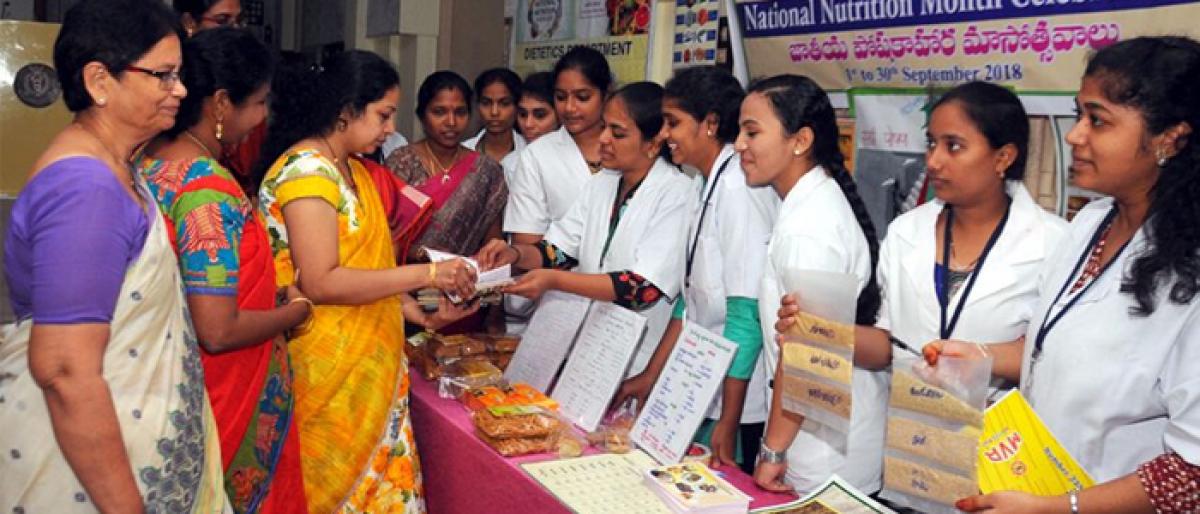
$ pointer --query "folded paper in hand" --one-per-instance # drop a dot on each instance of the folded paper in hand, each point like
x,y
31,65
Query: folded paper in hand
x,y
486,281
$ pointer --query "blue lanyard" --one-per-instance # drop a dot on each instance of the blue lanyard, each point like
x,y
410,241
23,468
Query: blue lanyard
x,y
1048,321
943,286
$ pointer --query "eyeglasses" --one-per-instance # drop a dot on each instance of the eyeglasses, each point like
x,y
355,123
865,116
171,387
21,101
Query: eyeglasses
x,y
226,20
166,79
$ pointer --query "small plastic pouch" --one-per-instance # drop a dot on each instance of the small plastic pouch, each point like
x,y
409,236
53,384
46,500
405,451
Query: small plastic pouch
x,y
466,374
612,435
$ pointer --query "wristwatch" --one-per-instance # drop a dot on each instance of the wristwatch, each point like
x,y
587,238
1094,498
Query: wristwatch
x,y
769,456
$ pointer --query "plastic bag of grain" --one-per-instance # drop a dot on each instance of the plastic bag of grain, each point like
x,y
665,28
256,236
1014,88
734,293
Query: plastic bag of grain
x,y
935,418
817,353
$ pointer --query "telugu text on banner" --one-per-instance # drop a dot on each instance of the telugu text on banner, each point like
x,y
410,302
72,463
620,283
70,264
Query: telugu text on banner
x,y
1032,45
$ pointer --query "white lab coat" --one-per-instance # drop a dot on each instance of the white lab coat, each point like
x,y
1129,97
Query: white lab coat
x,y
649,239
817,231
1115,389
1003,297
393,142
509,161
549,175
730,253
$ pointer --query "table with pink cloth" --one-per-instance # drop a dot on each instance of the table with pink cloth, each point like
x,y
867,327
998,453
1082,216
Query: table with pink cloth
x,y
464,475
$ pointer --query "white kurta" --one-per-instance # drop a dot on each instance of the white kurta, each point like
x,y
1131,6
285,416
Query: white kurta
x,y
730,252
1004,296
649,239
509,161
817,231
1115,389
549,175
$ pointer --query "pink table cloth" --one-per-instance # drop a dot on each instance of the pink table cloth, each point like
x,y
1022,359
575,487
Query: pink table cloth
x,y
464,475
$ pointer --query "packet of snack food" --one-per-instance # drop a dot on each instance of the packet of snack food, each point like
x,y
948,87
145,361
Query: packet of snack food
x,y
465,374
612,435
509,422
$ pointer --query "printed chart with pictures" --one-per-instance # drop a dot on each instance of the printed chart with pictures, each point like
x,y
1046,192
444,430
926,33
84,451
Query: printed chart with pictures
x,y
835,496
600,484
696,24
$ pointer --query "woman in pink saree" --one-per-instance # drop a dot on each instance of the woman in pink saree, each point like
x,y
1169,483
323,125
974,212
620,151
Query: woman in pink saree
x,y
467,188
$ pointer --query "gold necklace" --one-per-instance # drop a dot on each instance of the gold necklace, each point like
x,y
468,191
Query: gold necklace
x,y
120,162
338,166
200,143
444,171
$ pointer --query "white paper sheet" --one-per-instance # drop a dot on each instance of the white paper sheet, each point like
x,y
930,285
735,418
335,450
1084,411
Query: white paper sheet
x,y
680,399
602,351
485,280
547,339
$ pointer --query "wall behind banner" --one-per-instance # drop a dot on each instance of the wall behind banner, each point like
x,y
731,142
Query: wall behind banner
x,y
1032,45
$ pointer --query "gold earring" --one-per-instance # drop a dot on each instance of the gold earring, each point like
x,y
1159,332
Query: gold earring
x,y
220,131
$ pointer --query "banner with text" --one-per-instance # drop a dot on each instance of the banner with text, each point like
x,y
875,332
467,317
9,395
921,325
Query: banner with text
x,y
547,29
1032,45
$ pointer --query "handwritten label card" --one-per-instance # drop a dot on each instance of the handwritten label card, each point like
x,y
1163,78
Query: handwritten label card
x,y
547,339
677,404
607,341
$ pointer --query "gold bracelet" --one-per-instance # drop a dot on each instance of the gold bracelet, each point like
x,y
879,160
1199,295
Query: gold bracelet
x,y
308,320
311,306
432,273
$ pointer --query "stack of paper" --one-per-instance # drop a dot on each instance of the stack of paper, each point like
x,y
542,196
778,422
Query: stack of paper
x,y
692,488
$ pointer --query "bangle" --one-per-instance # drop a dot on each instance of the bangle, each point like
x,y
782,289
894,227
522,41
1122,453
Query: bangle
x,y
308,320
432,273
1073,497
301,299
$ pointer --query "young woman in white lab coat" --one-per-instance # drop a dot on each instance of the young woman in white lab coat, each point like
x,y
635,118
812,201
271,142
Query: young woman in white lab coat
x,y
550,173
966,264
789,139
496,93
726,249
535,118
1110,360
623,240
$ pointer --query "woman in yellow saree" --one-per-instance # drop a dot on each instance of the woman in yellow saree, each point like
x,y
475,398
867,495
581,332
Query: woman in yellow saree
x,y
330,236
